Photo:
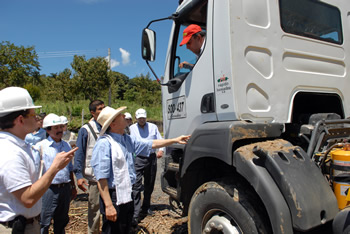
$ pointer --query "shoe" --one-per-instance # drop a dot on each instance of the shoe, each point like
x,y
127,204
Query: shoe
x,y
148,212
134,222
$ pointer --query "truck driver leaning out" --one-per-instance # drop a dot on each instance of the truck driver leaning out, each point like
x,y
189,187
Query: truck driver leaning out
x,y
21,188
194,38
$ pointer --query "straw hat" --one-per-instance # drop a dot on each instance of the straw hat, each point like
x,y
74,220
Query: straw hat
x,y
107,115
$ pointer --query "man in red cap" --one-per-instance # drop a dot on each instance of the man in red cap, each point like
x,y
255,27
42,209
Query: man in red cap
x,y
194,38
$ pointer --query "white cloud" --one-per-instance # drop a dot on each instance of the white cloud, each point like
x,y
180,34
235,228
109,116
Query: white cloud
x,y
125,56
114,63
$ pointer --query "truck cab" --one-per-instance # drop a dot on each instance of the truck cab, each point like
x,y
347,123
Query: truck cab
x,y
271,80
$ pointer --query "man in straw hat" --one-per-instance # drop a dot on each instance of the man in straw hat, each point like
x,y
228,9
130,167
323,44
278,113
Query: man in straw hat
x,y
21,188
113,165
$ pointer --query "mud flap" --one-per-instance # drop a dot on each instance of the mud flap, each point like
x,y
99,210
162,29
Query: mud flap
x,y
307,193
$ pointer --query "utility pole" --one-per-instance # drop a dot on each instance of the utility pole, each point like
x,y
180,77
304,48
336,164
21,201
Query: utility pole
x,y
109,74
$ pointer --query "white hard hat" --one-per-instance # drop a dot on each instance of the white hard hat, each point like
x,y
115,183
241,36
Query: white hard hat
x,y
141,113
127,115
14,99
64,119
51,120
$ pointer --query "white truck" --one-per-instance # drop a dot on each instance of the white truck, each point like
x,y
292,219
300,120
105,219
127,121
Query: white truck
x,y
266,105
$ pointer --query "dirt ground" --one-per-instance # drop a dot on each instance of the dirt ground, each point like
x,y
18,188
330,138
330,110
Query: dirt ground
x,y
164,219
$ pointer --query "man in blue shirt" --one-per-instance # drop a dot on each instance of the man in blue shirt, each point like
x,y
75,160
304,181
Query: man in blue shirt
x,y
112,162
39,134
145,164
56,200
87,137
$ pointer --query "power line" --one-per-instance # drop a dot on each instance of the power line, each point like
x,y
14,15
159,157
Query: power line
x,y
70,53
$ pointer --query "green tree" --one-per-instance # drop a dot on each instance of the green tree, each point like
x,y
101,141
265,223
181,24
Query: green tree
x,y
119,84
34,91
144,91
64,85
90,77
58,86
17,64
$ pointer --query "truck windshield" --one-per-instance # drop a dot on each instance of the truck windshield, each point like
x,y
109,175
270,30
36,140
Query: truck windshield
x,y
312,19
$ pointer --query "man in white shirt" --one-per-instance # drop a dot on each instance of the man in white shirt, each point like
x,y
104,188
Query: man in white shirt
x,y
21,188
145,164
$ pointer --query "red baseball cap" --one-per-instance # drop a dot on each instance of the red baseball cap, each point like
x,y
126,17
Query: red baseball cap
x,y
188,32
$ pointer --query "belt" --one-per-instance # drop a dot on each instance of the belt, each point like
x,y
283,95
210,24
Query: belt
x,y
59,185
28,221
146,156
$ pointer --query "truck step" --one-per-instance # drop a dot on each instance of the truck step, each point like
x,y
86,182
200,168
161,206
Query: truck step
x,y
172,192
173,167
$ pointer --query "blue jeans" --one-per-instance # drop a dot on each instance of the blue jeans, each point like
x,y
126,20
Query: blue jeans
x,y
55,206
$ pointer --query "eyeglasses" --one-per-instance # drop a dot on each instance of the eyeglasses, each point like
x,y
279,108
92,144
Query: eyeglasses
x,y
30,115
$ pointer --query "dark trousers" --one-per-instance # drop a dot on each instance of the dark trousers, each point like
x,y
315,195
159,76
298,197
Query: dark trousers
x,y
124,216
145,167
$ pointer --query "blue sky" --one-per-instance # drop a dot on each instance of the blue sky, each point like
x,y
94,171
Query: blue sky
x,y
61,28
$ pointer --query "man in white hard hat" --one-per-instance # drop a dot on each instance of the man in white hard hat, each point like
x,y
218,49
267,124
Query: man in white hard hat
x,y
21,188
113,164
68,136
57,198
145,164
87,137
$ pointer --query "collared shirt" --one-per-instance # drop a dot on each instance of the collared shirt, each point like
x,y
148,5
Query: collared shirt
x,y
149,131
19,168
80,157
49,149
36,137
101,160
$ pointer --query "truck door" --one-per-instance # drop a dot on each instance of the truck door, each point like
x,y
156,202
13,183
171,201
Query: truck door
x,y
189,98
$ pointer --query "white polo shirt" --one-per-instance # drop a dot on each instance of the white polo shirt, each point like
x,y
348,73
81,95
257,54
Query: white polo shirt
x,y
18,169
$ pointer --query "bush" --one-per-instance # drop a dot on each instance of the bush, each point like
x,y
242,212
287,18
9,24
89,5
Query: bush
x,y
34,91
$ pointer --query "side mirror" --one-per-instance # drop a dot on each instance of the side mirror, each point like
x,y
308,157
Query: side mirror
x,y
148,45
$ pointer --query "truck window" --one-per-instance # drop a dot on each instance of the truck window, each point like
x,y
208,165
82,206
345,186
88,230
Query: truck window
x,y
183,54
311,19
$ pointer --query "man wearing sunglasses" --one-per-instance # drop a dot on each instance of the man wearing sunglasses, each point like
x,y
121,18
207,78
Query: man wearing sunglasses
x,y
21,188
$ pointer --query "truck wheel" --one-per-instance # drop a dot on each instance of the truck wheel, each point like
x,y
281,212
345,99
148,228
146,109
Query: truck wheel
x,y
218,207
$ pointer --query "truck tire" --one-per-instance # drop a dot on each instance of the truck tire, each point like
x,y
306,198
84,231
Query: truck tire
x,y
226,207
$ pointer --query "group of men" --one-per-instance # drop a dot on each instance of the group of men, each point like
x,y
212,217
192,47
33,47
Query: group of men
x,y
111,157
144,164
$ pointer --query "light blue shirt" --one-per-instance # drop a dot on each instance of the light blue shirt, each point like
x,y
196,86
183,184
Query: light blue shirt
x,y
101,160
49,149
149,131
36,137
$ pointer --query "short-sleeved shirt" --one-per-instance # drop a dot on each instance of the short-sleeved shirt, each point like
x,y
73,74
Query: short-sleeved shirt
x,y
149,131
49,149
101,161
19,168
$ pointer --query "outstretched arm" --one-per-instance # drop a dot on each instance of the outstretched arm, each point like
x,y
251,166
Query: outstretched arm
x,y
166,142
